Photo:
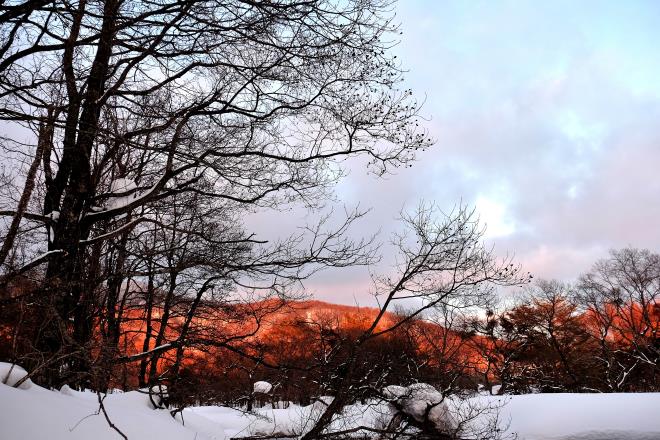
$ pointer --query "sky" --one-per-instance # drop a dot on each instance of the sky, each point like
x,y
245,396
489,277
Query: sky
x,y
546,118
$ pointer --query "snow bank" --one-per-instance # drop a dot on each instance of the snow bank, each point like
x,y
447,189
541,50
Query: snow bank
x,y
11,374
142,398
393,392
295,420
615,416
34,413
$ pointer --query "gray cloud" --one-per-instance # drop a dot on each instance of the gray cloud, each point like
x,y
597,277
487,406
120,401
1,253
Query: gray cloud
x,y
548,125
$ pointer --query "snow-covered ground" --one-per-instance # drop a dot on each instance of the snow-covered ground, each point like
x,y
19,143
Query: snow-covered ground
x,y
623,416
34,413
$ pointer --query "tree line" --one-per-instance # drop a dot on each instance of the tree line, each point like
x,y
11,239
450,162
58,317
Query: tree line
x,y
600,334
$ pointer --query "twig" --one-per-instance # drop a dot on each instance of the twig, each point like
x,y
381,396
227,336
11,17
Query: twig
x,y
107,418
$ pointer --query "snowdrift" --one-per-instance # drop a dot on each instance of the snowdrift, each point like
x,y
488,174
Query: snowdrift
x,y
35,413
31,412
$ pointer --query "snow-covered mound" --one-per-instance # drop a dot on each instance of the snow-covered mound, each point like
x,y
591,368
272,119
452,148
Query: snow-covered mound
x,y
12,374
422,402
262,387
295,420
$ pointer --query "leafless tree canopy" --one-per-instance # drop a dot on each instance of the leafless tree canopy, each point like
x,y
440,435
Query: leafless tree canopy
x,y
599,335
140,134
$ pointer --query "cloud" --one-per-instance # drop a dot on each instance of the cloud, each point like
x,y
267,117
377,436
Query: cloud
x,y
545,117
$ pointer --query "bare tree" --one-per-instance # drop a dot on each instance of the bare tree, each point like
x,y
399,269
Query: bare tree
x,y
146,106
620,298
443,265
499,346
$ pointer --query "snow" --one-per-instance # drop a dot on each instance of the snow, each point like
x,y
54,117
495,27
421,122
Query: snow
x,y
616,416
11,374
123,192
394,392
262,387
31,412
421,401
293,421
122,186
35,413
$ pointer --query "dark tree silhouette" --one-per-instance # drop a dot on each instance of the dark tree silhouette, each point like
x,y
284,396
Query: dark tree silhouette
x,y
142,111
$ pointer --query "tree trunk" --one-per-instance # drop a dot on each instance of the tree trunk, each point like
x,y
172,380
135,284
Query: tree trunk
x,y
65,272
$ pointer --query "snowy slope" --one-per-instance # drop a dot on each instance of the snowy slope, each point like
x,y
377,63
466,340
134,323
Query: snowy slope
x,y
34,413
39,414
584,416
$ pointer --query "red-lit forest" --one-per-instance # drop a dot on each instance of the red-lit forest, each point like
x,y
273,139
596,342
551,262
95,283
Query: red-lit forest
x,y
598,336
